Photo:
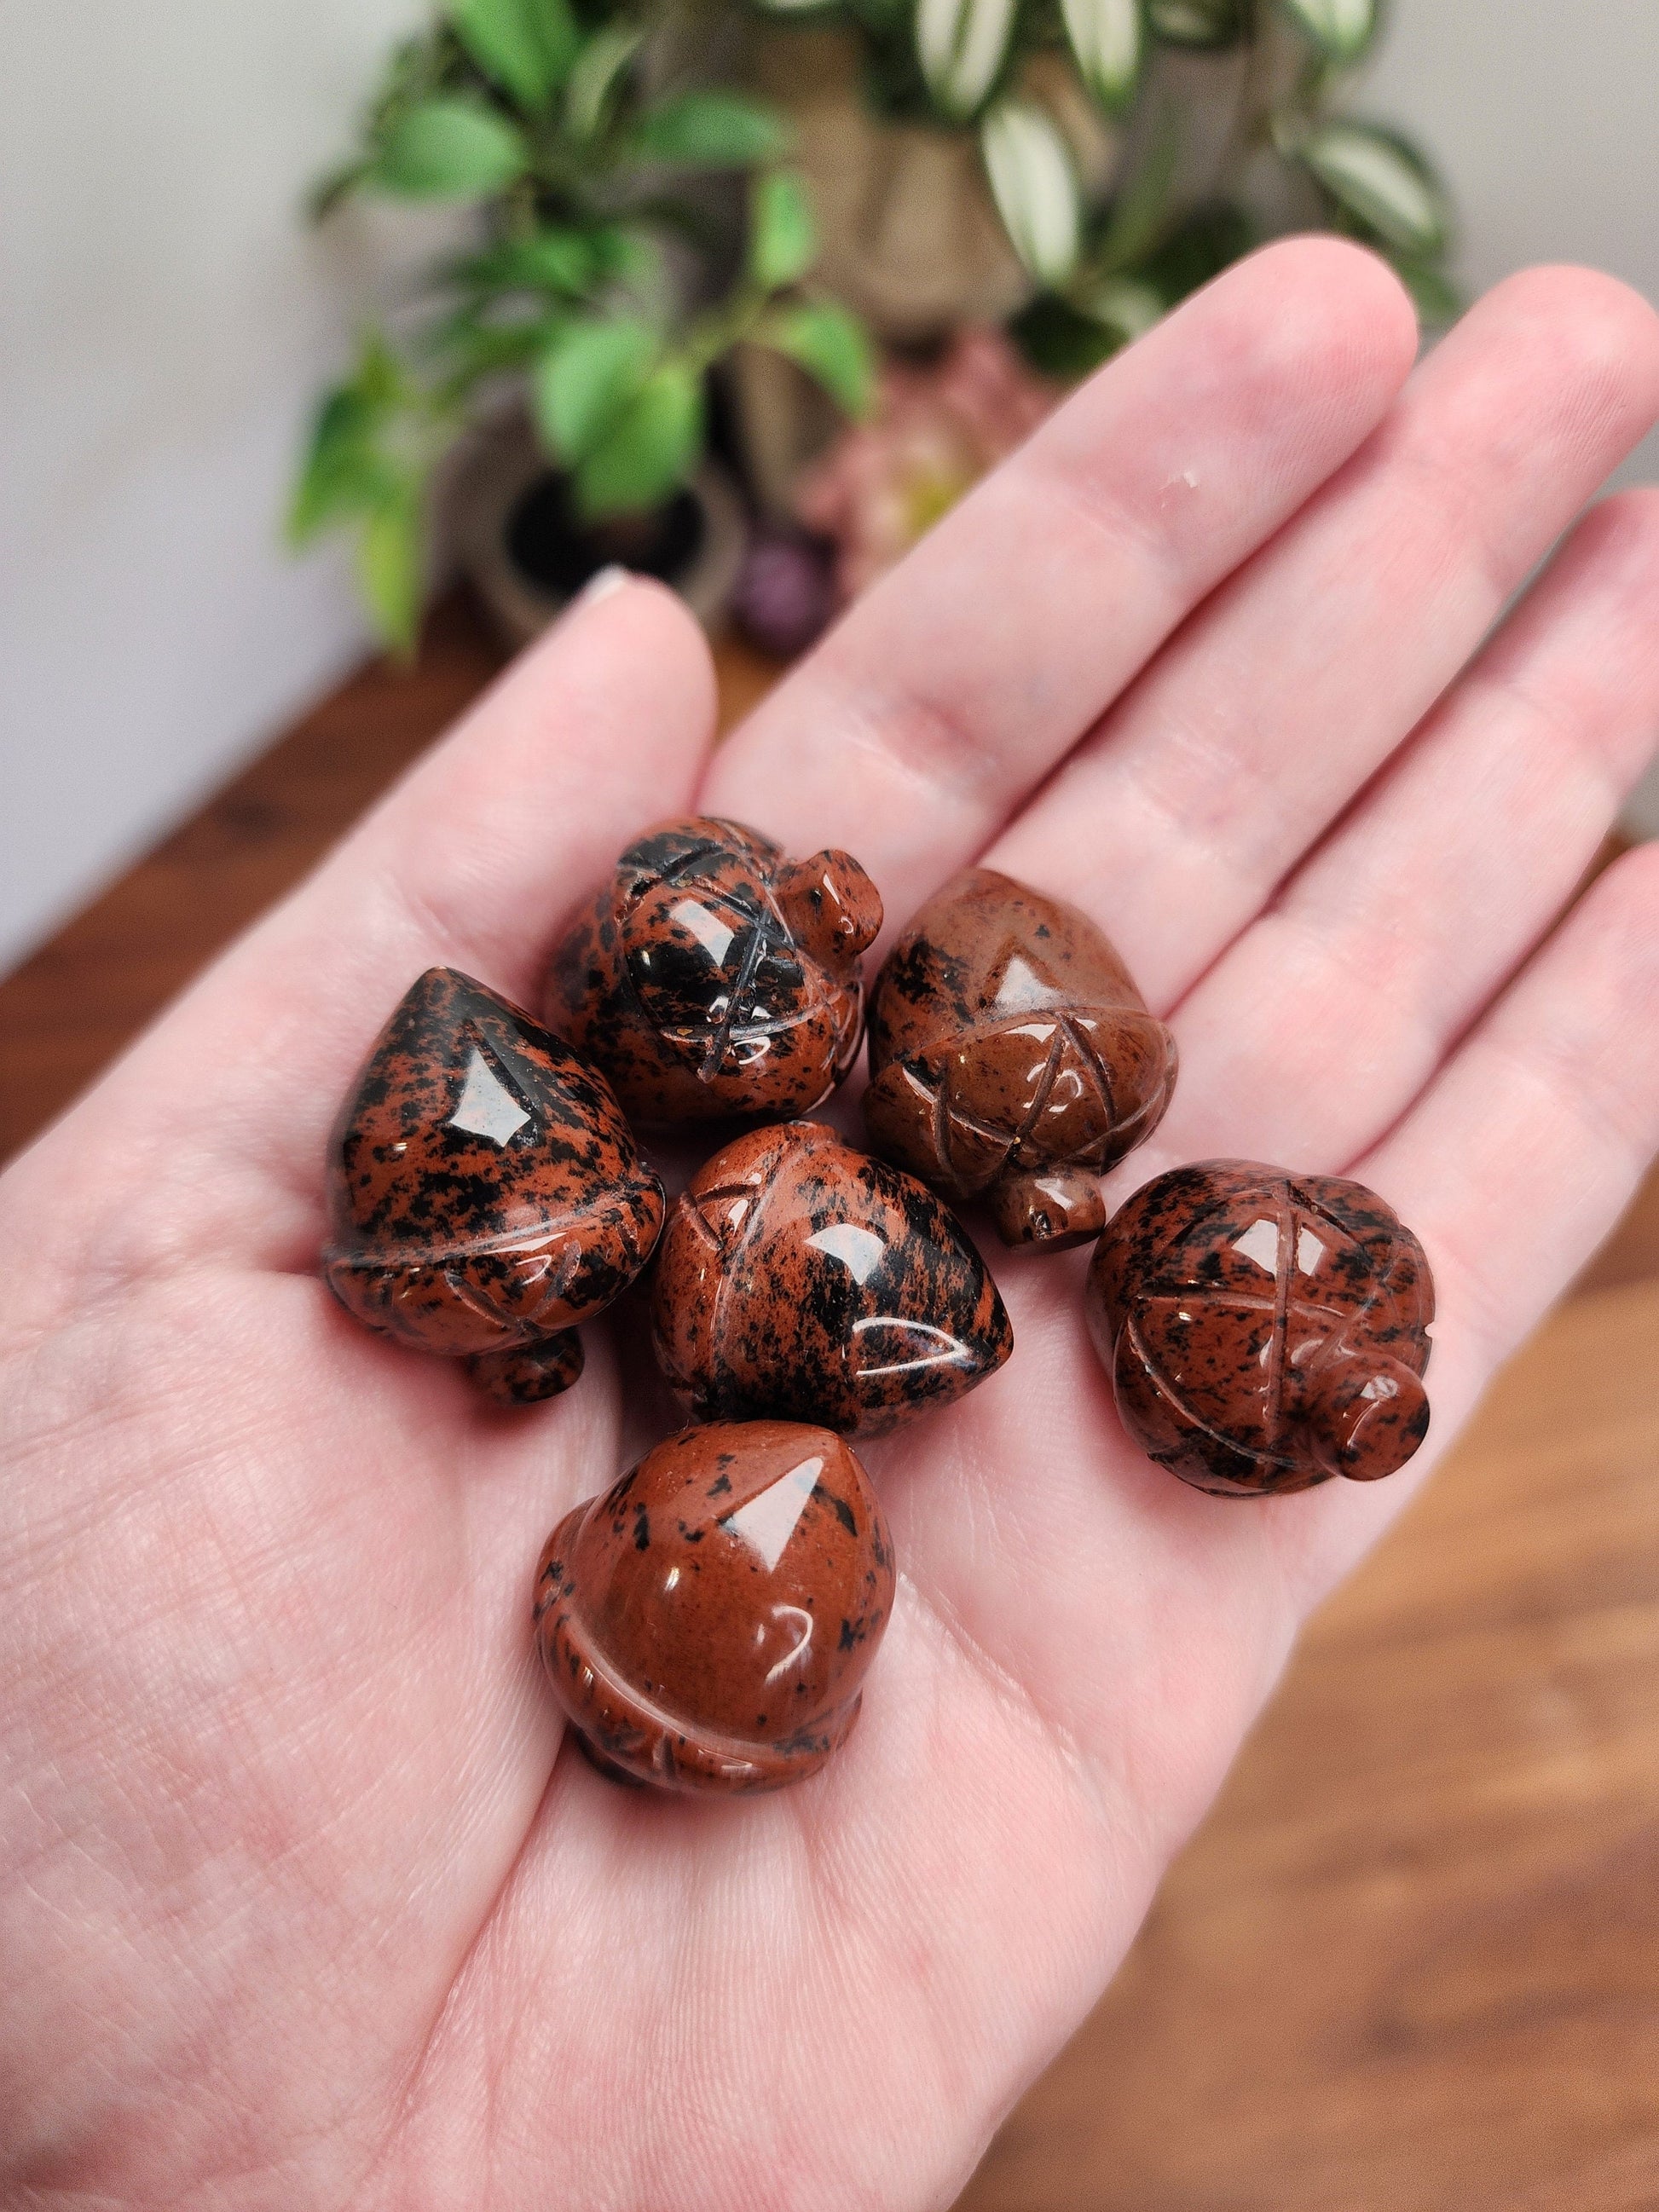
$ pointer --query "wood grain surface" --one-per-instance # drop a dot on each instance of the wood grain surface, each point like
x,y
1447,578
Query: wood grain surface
x,y
1411,1961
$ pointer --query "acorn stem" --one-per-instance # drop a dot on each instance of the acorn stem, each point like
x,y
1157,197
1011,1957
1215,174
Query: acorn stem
x,y
526,1374
1060,1206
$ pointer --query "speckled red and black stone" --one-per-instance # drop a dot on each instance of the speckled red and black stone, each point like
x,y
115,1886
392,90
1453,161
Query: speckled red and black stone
x,y
712,978
1264,1331
1012,1058
802,1280
706,1623
484,1191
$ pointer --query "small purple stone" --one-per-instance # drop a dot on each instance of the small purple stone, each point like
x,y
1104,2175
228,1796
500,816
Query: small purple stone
x,y
785,596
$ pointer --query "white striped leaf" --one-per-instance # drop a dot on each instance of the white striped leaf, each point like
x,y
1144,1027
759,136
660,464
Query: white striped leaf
x,y
962,45
1107,37
1339,28
1380,180
1035,185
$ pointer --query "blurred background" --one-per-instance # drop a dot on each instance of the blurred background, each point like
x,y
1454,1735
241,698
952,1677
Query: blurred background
x,y
169,320
340,340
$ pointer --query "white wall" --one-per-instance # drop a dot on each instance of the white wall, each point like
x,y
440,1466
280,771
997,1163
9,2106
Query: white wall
x,y
164,323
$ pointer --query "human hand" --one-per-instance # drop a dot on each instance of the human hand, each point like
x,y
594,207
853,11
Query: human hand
x,y
290,1911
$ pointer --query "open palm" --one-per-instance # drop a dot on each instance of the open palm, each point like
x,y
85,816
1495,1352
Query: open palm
x,y
291,1913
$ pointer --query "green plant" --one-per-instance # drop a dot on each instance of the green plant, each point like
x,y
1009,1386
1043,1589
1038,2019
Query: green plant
x,y
1218,120
550,122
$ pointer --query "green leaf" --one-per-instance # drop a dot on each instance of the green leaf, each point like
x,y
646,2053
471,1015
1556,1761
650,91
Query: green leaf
x,y
1108,38
1128,306
562,262
782,239
500,37
1035,186
591,372
467,347
830,342
451,147
1060,341
595,75
389,568
335,185
1436,297
710,130
345,471
1340,29
650,449
1203,23
558,36
1141,209
1211,238
342,474
962,46
1381,180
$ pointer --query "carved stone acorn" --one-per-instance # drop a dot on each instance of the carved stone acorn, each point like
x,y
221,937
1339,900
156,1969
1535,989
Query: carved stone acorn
x,y
484,1192
706,1623
711,977
1013,1059
1264,1331
803,1280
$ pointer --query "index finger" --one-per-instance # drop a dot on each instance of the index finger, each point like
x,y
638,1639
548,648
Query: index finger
x,y
958,682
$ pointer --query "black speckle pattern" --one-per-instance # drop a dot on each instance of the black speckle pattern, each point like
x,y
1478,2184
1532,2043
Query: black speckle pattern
x,y
1264,1331
712,978
484,1192
800,1280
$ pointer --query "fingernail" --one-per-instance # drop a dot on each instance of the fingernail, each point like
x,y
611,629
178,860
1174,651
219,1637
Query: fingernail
x,y
601,585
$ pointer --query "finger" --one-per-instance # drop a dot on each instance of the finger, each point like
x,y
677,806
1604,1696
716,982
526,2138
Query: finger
x,y
1317,1028
471,861
954,686
1176,817
1516,1162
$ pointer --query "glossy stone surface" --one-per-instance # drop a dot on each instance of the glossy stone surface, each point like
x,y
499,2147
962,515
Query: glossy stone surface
x,y
803,1280
1013,1059
1263,1330
484,1192
706,1623
713,978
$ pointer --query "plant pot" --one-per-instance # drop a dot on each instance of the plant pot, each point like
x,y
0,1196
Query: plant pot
x,y
528,556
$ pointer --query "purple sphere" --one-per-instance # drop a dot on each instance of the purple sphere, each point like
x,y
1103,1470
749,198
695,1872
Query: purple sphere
x,y
785,595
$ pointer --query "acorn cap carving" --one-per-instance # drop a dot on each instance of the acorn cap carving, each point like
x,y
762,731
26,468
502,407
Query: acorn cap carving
x,y
708,1622
802,1280
484,1192
711,977
1013,1059
1264,1331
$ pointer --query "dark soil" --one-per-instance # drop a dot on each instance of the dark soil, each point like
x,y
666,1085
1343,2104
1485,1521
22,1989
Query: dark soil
x,y
558,552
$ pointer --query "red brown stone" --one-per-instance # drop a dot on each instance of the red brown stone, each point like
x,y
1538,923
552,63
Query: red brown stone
x,y
802,1280
713,978
484,1192
709,1622
1264,1331
1013,1059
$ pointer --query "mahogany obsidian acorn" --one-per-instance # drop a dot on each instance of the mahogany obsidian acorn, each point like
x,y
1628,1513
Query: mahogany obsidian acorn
x,y
1012,1058
708,1622
712,977
804,1280
484,1191
1264,1331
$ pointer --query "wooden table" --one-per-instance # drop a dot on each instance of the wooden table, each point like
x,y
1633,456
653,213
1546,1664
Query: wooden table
x,y
1411,1962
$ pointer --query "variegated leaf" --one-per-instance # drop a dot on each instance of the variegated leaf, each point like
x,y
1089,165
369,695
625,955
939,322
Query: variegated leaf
x,y
1034,184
